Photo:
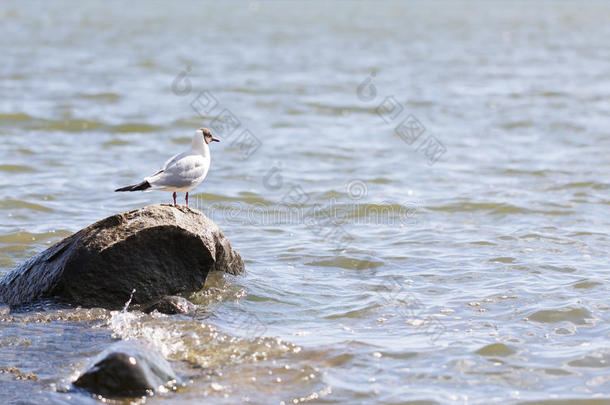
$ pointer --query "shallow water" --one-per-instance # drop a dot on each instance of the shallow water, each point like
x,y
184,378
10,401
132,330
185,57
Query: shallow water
x,y
464,264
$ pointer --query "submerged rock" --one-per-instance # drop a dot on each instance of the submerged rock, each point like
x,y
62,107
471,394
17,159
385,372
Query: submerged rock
x,y
170,305
127,370
157,250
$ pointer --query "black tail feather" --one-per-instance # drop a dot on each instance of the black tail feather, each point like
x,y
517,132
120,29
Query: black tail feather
x,y
135,187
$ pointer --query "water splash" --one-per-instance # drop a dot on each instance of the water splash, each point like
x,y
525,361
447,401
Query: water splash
x,y
134,325
129,300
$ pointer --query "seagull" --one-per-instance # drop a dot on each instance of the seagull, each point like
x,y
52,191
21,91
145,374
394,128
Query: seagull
x,y
182,172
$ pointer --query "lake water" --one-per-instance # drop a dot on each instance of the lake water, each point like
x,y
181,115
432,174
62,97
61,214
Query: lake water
x,y
419,190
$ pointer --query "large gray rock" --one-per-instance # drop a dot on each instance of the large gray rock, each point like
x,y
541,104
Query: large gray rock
x,y
157,250
126,369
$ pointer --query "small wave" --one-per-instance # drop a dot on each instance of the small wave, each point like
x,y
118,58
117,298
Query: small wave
x,y
362,311
336,110
592,185
347,263
483,243
28,238
587,284
553,94
183,140
561,269
495,349
81,125
502,260
19,204
67,125
576,315
26,151
517,124
109,97
250,90
595,360
566,125
381,180
17,168
134,127
491,208
193,122
115,142
326,156
535,173
285,124
15,117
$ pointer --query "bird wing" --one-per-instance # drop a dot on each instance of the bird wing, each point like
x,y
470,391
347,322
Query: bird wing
x,y
169,161
173,160
181,171
152,178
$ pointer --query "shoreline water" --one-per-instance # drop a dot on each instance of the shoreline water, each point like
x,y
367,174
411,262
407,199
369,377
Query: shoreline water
x,y
477,277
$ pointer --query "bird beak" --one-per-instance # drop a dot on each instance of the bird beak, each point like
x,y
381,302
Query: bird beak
x,y
215,139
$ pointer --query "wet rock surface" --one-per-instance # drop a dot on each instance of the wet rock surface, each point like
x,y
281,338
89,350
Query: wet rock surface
x,y
170,305
157,250
127,370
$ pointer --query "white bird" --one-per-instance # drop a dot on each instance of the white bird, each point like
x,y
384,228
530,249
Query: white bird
x,y
182,172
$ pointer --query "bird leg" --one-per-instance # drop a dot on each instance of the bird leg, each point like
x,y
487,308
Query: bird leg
x,y
174,195
187,198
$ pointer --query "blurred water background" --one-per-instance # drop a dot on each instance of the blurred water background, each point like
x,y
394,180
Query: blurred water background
x,y
419,190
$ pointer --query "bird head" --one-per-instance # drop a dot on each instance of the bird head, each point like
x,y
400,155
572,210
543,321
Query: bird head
x,y
207,135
